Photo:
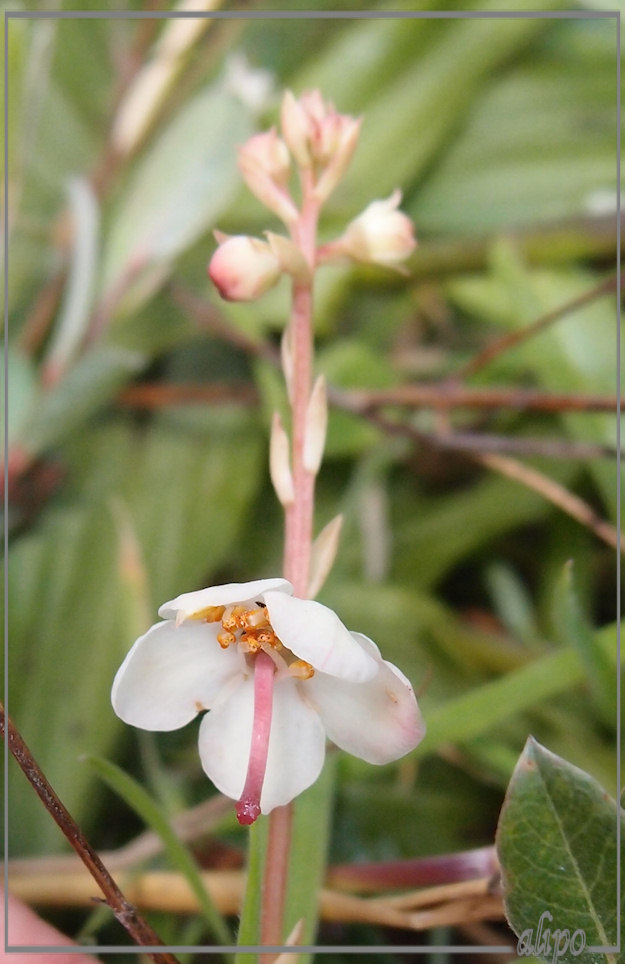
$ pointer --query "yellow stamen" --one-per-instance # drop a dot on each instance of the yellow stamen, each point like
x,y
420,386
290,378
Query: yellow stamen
x,y
210,614
226,639
300,669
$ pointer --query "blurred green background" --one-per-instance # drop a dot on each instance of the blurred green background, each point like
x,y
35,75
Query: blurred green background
x,y
122,136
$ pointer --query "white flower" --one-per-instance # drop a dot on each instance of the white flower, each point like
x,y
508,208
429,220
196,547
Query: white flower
x,y
277,674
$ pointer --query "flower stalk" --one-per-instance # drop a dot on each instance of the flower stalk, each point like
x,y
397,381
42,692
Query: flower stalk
x,y
298,527
276,670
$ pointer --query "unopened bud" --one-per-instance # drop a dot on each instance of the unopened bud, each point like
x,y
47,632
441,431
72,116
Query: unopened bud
x,y
323,554
290,256
295,124
286,357
243,268
347,131
264,163
318,136
316,426
279,468
380,235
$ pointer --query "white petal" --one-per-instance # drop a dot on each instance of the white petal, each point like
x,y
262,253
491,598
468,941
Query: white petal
x,y
378,720
296,747
170,674
233,592
296,744
315,633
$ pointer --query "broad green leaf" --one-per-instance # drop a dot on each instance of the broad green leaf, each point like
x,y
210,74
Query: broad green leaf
x,y
557,846
176,192
154,817
524,131
409,121
21,387
87,387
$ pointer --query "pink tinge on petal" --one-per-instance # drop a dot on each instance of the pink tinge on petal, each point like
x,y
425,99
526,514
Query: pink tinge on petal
x,y
248,807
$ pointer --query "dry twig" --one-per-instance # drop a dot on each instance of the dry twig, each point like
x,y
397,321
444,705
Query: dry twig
x,y
127,915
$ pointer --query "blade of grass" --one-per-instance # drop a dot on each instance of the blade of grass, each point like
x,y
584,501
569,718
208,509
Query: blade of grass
x,y
249,928
139,800
482,708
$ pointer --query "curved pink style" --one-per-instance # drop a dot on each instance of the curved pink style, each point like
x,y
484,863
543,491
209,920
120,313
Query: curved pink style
x,y
248,807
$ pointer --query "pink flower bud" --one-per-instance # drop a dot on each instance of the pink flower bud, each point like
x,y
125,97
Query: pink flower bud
x,y
342,133
296,128
380,235
319,137
243,268
264,163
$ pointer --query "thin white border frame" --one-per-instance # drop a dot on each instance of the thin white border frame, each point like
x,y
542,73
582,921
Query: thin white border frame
x,y
311,15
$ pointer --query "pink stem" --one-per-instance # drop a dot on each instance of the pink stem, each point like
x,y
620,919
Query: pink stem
x,y
298,539
248,807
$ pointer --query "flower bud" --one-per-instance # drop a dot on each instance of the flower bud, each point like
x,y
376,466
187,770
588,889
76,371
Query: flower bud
x,y
296,128
279,462
264,163
290,257
243,268
380,235
316,426
345,132
319,137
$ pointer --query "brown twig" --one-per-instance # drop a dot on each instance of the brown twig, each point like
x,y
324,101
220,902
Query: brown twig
x,y
446,395
154,395
549,489
555,493
125,912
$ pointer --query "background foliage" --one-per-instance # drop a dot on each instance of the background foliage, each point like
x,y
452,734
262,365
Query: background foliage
x,y
501,134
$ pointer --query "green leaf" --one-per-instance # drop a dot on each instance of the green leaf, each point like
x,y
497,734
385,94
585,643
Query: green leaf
x,y
307,868
180,856
175,194
557,846
87,387
21,388
571,626
249,928
485,706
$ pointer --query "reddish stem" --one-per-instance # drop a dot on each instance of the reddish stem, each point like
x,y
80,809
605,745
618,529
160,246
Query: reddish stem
x,y
248,807
298,536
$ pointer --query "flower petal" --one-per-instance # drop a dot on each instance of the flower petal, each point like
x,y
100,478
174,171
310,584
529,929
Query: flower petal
x,y
378,720
233,592
296,744
170,674
315,633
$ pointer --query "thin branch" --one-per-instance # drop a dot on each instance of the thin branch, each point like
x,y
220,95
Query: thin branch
x,y
127,915
189,825
550,490
557,494
155,395
445,395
